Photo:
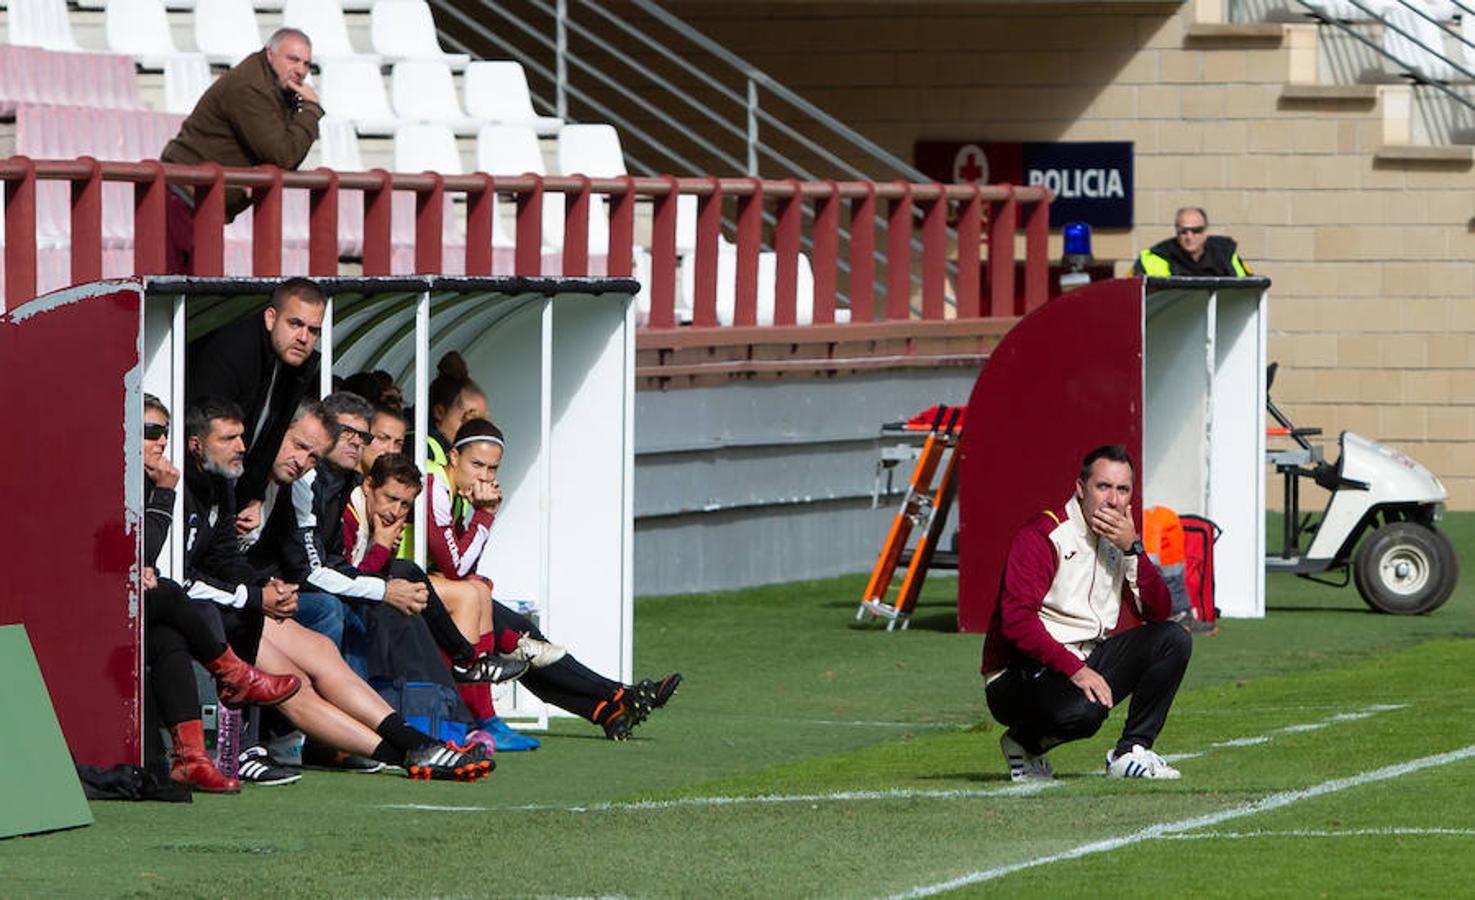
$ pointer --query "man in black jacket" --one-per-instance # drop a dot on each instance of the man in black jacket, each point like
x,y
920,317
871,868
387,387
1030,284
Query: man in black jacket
x,y
1192,251
267,366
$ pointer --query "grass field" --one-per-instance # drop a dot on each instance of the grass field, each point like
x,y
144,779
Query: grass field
x,y
1326,751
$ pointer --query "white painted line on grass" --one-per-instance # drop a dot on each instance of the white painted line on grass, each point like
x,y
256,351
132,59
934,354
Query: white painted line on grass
x,y
1152,832
1014,790
1366,712
1304,833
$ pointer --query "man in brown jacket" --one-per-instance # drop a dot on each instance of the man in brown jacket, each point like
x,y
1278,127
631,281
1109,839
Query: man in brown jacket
x,y
260,112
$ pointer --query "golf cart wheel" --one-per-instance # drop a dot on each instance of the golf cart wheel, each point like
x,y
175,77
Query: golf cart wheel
x,y
1405,568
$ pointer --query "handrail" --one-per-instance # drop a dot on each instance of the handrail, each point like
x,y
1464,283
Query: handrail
x,y
988,217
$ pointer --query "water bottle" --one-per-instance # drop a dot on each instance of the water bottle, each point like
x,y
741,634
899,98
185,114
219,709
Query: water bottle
x,y
228,741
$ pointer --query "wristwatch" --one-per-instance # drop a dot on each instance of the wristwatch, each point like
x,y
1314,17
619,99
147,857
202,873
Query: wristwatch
x,y
1135,549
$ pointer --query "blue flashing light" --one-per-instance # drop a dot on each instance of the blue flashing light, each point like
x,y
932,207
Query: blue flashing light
x,y
1077,239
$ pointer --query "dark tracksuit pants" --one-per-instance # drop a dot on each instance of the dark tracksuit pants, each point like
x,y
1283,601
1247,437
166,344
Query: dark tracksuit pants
x,y
1043,708
568,683
175,634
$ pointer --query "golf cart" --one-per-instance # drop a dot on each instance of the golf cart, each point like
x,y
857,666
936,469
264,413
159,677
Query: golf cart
x,y
1406,565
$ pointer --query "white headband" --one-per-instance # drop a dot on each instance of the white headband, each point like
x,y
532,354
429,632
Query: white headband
x,y
479,437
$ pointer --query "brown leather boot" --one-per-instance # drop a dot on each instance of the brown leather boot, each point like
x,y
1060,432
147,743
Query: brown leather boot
x,y
242,684
192,765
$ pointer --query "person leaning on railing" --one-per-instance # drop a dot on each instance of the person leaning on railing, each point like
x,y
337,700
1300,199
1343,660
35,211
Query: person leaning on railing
x,y
261,112
1191,251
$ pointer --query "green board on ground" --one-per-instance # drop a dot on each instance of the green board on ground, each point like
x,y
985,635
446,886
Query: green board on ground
x,y
37,779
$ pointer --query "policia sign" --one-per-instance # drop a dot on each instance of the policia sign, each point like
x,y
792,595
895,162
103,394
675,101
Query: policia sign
x,y
1092,180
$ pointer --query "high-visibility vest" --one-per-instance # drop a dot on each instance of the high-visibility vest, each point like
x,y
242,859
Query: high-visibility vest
x,y
1157,267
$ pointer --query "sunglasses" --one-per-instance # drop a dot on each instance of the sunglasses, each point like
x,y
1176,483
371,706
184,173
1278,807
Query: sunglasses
x,y
1193,229
152,432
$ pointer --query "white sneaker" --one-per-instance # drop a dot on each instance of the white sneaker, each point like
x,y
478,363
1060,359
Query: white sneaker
x,y
537,654
1140,763
1024,765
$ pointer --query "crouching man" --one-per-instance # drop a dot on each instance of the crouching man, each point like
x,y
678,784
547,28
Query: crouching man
x,y
1055,660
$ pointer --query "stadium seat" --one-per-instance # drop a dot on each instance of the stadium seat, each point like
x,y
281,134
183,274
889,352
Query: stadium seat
x,y
226,31
426,92
186,77
323,22
140,29
427,147
1417,43
338,145
514,150
592,150
41,23
35,75
404,29
497,92
354,89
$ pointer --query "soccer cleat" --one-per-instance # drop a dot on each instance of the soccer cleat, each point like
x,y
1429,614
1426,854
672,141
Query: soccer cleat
x,y
1024,765
317,756
482,739
615,721
537,654
506,738
491,668
192,766
1140,763
447,762
643,697
241,684
257,767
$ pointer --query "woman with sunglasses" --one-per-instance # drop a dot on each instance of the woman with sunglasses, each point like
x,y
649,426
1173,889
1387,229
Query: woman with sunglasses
x,y
174,633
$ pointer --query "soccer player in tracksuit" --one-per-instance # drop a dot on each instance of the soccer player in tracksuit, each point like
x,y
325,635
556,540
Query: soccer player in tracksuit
x,y
1063,645
334,705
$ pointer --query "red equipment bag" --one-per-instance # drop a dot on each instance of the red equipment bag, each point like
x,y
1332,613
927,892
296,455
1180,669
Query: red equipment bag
x,y
1199,535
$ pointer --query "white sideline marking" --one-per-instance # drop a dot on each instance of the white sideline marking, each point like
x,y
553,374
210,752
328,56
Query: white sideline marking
x,y
1366,712
1013,790
1152,832
1355,832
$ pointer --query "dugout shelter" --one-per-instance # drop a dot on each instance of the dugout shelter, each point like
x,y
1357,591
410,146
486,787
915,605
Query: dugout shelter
x,y
555,356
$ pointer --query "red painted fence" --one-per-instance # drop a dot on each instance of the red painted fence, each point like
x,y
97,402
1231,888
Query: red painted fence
x,y
984,217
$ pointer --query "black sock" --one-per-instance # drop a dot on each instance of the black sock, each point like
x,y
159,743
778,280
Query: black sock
x,y
397,732
386,753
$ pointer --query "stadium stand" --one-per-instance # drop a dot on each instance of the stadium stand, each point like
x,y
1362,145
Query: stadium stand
x,y
423,91
186,77
33,75
323,21
404,30
514,150
226,31
427,147
497,92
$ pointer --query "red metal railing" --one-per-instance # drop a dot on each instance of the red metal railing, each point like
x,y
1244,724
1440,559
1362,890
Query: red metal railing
x,y
985,216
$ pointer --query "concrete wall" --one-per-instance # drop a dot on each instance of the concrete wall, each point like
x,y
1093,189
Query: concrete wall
x,y
1370,243
765,481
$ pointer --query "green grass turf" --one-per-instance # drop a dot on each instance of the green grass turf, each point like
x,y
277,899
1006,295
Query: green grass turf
x,y
786,695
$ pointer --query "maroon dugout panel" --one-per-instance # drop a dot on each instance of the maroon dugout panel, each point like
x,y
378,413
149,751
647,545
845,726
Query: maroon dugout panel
x,y
72,489
1066,379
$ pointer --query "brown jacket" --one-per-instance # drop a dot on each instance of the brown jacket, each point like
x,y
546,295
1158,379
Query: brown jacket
x,y
244,119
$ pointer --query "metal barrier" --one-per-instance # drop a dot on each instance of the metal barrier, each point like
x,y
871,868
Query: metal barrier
x,y
985,216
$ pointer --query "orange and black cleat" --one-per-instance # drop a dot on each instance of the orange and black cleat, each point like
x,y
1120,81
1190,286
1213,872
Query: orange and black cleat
x,y
447,762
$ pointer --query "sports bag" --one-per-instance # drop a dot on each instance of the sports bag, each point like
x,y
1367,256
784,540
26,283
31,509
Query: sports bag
x,y
1199,536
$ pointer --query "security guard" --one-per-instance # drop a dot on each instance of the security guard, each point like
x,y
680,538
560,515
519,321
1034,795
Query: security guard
x,y
1191,251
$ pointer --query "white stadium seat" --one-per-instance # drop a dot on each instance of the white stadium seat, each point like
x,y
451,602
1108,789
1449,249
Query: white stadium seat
x,y
514,150
1409,38
323,22
404,29
426,92
497,91
226,31
354,89
41,23
140,29
186,77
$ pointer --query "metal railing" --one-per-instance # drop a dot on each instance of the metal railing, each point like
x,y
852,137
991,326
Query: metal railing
x,y
731,131
987,217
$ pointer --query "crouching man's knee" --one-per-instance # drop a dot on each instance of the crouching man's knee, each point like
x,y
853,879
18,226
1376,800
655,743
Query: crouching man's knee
x,y
1080,719
1173,642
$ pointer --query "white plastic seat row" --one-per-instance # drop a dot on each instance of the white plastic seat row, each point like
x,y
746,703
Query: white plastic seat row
x,y
421,91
